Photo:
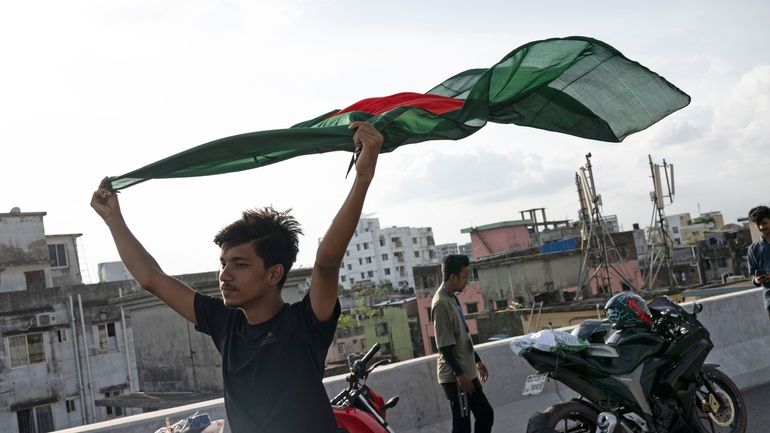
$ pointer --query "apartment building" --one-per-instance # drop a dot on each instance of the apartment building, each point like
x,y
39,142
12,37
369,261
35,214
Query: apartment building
x,y
377,256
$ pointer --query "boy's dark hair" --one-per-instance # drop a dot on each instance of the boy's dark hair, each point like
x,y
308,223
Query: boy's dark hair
x,y
757,214
273,234
453,264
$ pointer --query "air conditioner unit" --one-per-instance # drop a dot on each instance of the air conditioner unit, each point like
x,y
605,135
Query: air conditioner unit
x,y
47,319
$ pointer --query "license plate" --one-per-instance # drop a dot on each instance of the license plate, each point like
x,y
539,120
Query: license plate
x,y
534,384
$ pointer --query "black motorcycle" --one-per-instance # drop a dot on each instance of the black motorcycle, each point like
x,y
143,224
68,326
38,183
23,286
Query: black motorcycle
x,y
643,379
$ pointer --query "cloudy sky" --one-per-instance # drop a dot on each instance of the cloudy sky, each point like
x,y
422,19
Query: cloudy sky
x,y
95,88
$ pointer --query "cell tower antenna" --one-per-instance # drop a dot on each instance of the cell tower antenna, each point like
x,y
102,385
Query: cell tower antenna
x,y
600,255
659,242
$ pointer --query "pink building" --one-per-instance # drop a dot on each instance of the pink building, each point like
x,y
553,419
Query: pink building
x,y
498,238
628,269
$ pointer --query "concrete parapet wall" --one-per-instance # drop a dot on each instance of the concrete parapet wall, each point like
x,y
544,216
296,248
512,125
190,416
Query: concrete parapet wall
x,y
738,323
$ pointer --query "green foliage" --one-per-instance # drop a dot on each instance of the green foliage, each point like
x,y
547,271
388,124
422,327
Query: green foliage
x,y
346,321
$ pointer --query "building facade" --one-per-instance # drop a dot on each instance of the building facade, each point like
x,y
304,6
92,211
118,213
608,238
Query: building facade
x,y
377,256
63,347
30,259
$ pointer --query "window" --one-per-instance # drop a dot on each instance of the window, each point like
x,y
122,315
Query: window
x,y
675,230
35,279
368,260
350,267
362,275
370,274
414,241
70,405
501,304
366,245
340,348
387,271
358,247
352,280
360,261
342,278
57,255
26,349
107,339
347,252
113,412
417,254
35,420
384,257
431,254
63,335
472,307
381,329
382,242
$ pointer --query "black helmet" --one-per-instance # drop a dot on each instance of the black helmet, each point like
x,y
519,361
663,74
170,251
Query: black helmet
x,y
627,309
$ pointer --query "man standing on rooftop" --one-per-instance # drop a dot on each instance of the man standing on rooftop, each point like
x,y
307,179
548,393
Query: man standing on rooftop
x,y
759,251
459,366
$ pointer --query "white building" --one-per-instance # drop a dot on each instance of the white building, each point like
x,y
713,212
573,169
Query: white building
x,y
386,255
63,346
466,249
29,259
444,250
113,271
676,224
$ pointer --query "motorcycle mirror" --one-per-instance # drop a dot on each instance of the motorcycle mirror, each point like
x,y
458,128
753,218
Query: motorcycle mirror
x,y
697,308
391,403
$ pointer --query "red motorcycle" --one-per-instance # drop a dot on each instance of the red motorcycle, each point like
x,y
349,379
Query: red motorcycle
x,y
357,408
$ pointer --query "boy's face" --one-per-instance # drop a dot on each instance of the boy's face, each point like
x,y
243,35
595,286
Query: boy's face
x,y
243,278
764,228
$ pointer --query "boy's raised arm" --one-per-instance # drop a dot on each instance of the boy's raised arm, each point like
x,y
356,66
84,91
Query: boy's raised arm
x,y
137,260
323,284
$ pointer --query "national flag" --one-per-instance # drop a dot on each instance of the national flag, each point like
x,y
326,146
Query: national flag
x,y
575,85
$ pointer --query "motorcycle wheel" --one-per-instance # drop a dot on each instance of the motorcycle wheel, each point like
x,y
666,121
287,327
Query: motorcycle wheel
x,y
571,416
730,417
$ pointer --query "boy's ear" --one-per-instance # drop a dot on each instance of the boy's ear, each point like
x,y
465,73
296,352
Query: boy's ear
x,y
275,273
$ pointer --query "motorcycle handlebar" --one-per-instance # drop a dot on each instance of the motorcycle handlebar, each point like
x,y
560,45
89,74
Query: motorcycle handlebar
x,y
370,354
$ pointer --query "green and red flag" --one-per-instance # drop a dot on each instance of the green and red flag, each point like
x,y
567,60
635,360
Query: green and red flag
x,y
575,85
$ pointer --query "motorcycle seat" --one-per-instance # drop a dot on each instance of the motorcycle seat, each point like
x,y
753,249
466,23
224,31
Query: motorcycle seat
x,y
601,351
592,330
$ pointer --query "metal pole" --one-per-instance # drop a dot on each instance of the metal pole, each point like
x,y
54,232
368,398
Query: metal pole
x,y
125,342
88,359
74,330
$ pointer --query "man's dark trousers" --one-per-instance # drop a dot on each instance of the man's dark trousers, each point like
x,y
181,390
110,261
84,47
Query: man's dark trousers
x,y
483,414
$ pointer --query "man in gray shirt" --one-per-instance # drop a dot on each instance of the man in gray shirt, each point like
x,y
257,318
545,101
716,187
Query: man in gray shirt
x,y
459,366
759,251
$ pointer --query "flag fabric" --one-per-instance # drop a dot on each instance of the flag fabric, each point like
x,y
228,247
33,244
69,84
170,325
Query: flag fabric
x,y
574,85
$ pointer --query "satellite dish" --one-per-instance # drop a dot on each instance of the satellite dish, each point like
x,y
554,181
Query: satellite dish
x,y
15,210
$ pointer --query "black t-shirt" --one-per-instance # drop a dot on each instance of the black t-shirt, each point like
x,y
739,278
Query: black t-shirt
x,y
272,371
